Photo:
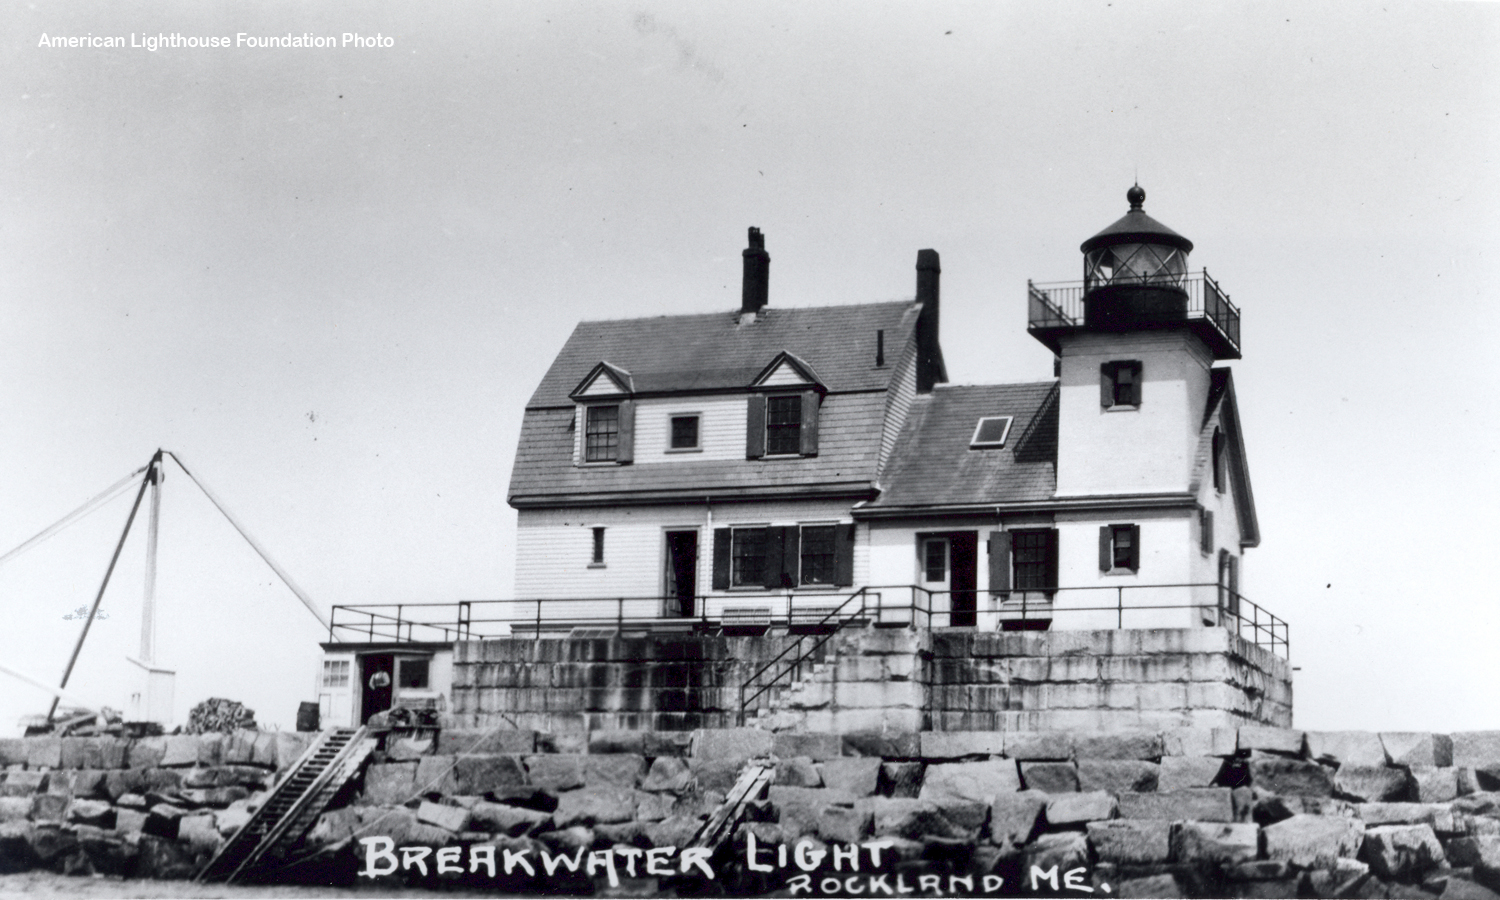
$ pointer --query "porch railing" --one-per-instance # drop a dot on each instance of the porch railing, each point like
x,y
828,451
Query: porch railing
x,y
1093,606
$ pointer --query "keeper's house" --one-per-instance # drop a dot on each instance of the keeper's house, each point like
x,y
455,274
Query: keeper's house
x,y
768,462
753,470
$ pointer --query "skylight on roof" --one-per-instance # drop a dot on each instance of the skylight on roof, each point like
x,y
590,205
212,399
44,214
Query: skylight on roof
x,y
991,432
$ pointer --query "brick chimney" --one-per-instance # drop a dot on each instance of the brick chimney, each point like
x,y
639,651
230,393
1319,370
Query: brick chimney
x,y
755,291
930,368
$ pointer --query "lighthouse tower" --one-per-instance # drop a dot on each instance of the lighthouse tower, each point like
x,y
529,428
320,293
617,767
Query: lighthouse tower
x,y
1139,402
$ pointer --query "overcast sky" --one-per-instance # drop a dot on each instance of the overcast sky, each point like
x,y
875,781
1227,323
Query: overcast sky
x,y
329,279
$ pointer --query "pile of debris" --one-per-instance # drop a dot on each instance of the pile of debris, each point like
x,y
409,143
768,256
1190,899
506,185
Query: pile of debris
x,y
218,714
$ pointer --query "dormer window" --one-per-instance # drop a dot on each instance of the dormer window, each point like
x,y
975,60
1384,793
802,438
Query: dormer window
x,y
783,425
601,433
990,432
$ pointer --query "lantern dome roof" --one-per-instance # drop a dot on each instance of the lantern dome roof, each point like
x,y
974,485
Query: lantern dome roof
x,y
1135,227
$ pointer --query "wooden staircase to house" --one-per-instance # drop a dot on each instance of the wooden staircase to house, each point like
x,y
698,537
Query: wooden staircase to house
x,y
293,805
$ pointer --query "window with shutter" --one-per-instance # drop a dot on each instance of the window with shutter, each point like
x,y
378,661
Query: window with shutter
x,y
783,425
817,554
748,557
1119,548
601,433
1120,384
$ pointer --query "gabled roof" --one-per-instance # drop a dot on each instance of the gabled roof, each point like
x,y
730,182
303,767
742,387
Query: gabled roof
x,y
933,464
618,379
714,351
1221,400
805,372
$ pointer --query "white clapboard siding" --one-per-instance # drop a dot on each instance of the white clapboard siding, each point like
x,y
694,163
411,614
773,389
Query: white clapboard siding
x,y
721,429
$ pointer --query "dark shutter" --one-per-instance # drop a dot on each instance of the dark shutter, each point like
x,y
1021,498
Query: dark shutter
x,y
1135,547
755,427
721,559
843,555
791,556
626,451
1135,383
775,557
1208,531
1052,558
809,423
1106,385
999,562
1106,549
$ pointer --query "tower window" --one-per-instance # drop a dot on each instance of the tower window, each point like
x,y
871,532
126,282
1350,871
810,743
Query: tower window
x,y
1119,548
601,434
1120,384
783,425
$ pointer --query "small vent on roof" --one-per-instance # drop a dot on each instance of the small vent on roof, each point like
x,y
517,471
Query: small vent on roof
x,y
991,432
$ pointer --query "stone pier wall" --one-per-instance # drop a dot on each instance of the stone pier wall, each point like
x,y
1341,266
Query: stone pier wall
x,y
878,679
1177,812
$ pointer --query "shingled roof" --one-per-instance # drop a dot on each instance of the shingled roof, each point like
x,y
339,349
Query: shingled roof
x,y
714,351
934,466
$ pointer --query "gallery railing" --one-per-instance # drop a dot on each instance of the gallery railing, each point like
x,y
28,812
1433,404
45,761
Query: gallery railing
x,y
1059,305
1095,606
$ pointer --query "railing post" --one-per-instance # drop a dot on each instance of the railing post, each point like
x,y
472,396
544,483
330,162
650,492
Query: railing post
x,y
398,623
1120,606
620,613
538,617
371,630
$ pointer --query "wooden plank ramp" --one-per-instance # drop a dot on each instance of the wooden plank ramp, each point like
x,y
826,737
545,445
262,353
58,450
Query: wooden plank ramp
x,y
751,784
293,806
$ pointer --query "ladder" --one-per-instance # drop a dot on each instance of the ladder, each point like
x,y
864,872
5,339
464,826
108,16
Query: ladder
x,y
294,804
720,826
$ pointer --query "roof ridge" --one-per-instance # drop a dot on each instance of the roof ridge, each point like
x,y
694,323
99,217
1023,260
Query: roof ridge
x,y
734,312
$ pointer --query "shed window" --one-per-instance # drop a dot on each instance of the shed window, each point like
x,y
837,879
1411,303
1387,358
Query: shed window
x,y
991,432
413,674
335,673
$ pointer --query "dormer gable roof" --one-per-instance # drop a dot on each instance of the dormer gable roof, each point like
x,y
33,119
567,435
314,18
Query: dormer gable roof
x,y
604,380
788,370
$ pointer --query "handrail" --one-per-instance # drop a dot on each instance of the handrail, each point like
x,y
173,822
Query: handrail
x,y
796,664
910,604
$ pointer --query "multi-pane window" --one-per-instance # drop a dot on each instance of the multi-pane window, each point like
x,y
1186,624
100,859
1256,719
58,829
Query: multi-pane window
x,y
684,432
601,434
335,673
1030,555
783,425
748,557
935,560
817,544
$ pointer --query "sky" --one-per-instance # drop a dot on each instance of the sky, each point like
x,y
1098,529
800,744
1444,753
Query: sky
x,y
328,280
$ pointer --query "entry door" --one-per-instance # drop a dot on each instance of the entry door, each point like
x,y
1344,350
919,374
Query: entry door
x,y
377,684
963,549
933,559
682,573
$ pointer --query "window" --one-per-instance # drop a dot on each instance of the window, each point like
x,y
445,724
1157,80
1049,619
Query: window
x,y
1120,384
335,673
783,425
1119,548
780,557
935,560
685,432
817,557
598,556
412,674
1034,559
991,432
748,557
1206,530
601,433
1221,475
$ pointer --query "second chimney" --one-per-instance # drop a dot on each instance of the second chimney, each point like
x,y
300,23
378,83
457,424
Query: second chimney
x,y
755,291
930,368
